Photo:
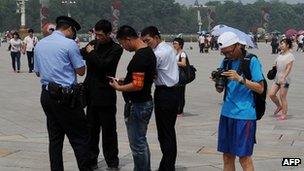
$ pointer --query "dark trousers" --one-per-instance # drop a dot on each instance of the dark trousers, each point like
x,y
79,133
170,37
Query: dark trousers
x,y
181,99
274,49
15,59
202,46
30,60
61,121
103,117
166,101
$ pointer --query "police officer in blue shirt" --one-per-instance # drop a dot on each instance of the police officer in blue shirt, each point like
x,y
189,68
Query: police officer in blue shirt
x,y
57,63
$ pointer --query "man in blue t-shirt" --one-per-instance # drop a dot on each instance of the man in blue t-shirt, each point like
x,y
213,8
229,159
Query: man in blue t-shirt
x,y
237,125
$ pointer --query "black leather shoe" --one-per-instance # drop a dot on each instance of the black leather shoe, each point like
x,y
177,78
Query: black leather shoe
x,y
113,168
94,166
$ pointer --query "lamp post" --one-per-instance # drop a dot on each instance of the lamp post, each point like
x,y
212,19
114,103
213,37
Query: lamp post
x,y
68,3
199,18
21,10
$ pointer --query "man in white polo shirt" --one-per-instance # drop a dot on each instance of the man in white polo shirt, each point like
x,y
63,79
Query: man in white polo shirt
x,y
165,96
29,43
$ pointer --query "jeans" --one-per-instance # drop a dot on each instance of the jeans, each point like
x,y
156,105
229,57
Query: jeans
x,y
137,124
15,58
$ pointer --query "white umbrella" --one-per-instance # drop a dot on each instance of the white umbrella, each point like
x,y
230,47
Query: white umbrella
x,y
218,27
245,38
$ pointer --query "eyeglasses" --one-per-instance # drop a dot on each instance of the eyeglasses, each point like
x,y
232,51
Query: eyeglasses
x,y
99,34
229,52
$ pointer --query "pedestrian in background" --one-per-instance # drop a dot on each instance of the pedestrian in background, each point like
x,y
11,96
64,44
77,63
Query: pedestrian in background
x,y
15,47
29,43
181,56
284,65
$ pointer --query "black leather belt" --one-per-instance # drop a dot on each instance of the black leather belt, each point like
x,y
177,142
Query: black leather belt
x,y
163,87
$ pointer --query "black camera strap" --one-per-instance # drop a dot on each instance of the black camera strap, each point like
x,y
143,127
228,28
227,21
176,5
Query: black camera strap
x,y
227,65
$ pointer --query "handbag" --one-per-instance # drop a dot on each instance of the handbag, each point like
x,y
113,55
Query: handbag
x,y
187,73
272,73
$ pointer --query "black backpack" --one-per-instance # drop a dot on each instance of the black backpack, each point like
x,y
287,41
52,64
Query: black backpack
x,y
259,99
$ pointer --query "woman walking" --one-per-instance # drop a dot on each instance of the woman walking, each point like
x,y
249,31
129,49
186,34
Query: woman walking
x,y
284,64
15,48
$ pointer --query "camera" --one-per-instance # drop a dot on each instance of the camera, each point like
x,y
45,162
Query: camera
x,y
219,79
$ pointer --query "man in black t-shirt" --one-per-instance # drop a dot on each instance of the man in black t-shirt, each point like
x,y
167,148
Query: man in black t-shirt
x,y
136,89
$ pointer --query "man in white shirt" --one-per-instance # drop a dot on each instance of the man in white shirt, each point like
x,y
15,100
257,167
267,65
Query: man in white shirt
x,y
165,96
201,42
300,42
29,43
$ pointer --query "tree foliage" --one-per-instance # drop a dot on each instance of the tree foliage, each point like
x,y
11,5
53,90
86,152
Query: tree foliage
x,y
169,16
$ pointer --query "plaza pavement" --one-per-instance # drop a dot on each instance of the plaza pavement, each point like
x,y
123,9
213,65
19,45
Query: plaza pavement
x,y
24,139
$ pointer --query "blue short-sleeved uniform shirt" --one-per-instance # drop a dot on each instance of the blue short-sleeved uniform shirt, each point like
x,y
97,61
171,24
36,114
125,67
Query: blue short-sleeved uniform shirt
x,y
56,58
239,101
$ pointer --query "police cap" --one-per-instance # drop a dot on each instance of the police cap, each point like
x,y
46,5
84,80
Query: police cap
x,y
68,20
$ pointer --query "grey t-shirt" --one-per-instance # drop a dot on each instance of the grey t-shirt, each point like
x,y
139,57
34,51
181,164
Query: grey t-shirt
x,y
281,63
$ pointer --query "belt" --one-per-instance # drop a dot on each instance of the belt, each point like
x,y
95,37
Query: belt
x,y
163,87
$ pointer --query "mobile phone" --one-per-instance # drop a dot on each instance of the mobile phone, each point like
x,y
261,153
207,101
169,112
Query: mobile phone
x,y
112,78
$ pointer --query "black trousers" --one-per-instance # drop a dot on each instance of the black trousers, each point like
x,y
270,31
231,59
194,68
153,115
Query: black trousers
x,y
61,121
274,49
202,46
181,99
103,117
166,101
30,60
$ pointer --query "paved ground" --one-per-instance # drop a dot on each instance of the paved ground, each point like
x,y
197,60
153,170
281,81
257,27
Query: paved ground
x,y
24,140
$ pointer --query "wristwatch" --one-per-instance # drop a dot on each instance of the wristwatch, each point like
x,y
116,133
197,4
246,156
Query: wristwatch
x,y
242,80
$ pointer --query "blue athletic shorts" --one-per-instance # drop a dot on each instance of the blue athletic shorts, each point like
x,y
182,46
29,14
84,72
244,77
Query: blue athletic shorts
x,y
236,137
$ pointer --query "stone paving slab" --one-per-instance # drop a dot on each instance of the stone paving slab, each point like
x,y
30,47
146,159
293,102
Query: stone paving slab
x,y
24,138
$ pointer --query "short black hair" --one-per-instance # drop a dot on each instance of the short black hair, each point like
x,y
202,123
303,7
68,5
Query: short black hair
x,y
30,31
151,31
288,42
104,26
62,25
16,33
126,31
180,41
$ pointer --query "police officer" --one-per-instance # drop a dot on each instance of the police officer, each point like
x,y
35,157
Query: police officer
x,y
57,63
